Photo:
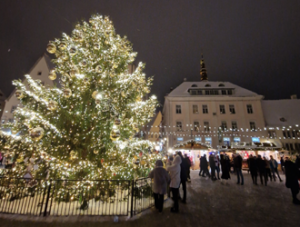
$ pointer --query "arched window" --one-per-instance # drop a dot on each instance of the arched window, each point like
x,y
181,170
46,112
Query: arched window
x,y
221,85
194,85
207,85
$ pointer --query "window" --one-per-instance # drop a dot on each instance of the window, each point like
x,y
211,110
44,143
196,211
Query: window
x,y
207,85
252,125
284,134
291,146
179,126
178,109
206,126
196,126
39,73
294,133
204,109
152,136
249,109
10,120
207,92
222,109
234,125
193,92
223,125
194,85
288,134
195,109
272,134
231,109
229,92
221,85
224,92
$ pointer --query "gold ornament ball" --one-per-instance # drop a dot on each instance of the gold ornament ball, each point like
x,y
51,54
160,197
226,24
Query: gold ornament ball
x,y
52,105
96,151
73,154
115,134
94,94
37,133
123,93
19,94
52,75
64,56
62,46
67,92
97,46
98,69
73,72
83,63
117,122
51,48
73,50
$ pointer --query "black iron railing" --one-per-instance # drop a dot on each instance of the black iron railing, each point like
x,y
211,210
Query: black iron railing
x,y
72,197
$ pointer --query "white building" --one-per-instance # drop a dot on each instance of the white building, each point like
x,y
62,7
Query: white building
x,y
282,122
216,113
39,71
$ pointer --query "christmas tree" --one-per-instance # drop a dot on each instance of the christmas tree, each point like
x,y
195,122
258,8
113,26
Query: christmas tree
x,y
85,128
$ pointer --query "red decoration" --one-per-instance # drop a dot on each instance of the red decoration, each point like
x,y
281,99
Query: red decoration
x,y
102,160
141,154
114,174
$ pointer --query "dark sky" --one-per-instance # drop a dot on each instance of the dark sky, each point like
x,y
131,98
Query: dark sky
x,y
252,43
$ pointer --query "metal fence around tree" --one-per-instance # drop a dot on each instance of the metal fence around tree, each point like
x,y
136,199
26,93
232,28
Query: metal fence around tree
x,y
72,197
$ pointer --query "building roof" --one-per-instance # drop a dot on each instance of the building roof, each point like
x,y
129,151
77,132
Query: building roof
x,y
182,89
278,113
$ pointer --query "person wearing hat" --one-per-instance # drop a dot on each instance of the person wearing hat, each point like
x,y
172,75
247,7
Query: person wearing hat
x,y
161,179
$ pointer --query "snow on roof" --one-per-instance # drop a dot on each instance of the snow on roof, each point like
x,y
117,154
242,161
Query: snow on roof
x,y
182,89
278,113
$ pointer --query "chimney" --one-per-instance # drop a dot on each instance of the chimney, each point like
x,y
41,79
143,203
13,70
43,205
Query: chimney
x,y
294,96
171,89
184,79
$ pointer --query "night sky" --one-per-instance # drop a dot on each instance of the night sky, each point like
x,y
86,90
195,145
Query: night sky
x,y
254,44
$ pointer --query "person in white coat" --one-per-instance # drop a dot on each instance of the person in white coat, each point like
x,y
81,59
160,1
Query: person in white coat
x,y
174,171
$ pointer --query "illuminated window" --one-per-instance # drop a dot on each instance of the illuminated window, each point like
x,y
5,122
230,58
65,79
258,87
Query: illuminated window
x,y
222,109
252,125
224,125
206,126
196,126
179,126
234,125
231,109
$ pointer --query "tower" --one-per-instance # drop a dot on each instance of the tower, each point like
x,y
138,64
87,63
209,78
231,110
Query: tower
x,y
203,72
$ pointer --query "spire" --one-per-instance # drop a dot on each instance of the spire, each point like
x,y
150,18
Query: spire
x,y
203,73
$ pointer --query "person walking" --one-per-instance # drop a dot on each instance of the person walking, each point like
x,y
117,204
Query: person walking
x,y
292,175
282,164
225,166
238,161
200,165
253,168
189,164
204,164
261,164
212,166
168,164
174,171
217,165
273,166
268,169
183,176
161,179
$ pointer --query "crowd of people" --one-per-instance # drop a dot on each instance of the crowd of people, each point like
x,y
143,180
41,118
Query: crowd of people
x,y
175,172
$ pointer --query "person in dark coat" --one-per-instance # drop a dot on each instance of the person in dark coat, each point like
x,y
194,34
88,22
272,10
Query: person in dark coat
x,y
238,161
161,179
297,162
292,175
183,175
225,166
268,169
204,165
212,165
201,169
188,161
273,166
261,164
282,164
253,168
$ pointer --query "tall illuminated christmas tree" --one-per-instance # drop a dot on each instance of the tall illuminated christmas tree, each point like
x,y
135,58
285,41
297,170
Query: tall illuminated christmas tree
x,y
84,129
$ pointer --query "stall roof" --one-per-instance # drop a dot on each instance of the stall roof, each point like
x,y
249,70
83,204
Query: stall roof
x,y
191,145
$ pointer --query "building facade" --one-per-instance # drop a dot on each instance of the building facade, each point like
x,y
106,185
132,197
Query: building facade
x,y
221,115
2,103
39,71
